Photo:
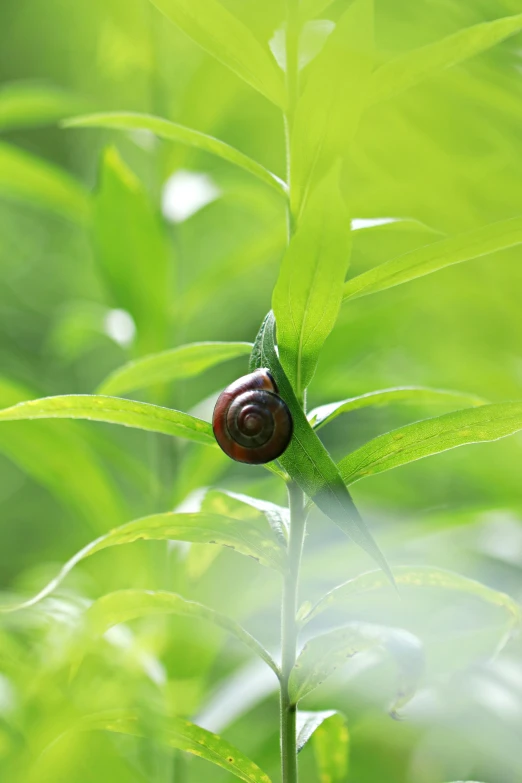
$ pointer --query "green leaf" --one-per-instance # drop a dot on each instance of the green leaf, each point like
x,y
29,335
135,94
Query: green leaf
x,y
132,252
311,8
408,395
234,504
331,742
431,436
186,361
178,733
324,654
60,459
125,605
171,131
246,537
438,255
415,67
307,461
27,179
227,39
328,111
113,410
32,104
308,292
416,578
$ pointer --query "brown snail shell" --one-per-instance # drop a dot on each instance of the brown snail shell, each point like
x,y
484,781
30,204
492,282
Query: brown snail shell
x,y
251,422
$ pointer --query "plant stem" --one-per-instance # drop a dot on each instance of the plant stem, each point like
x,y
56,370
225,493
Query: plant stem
x,y
289,630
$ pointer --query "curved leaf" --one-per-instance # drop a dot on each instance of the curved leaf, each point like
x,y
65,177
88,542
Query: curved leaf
x,y
234,504
415,67
31,180
415,578
409,395
324,654
245,537
307,461
125,605
32,104
183,735
227,39
186,361
308,292
431,436
438,255
113,410
172,131
331,742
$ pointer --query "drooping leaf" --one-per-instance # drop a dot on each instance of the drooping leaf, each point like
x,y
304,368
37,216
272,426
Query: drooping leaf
x,y
246,537
307,461
27,179
418,65
431,258
416,578
113,410
172,131
31,104
227,39
186,361
132,252
234,504
331,742
431,436
125,605
328,111
409,395
308,292
324,654
61,460
183,735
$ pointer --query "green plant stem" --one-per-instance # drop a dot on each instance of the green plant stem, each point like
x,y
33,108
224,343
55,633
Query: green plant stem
x,y
289,631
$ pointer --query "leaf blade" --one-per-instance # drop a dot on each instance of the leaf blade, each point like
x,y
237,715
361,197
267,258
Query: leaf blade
x,y
32,104
431,258
432,436
171,131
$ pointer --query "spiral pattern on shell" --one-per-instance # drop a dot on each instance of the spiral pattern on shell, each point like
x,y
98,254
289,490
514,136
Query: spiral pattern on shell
x,y
251,422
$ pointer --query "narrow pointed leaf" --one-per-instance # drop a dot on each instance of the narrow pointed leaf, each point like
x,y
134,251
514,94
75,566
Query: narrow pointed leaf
x,y
408,395
247,538
331,742
27,179
33,104
234,504
113,410
227,39
415,67
183,735
307,461
324,654
431,436
416,578
164,129
183,362
431,258
125,605
308,292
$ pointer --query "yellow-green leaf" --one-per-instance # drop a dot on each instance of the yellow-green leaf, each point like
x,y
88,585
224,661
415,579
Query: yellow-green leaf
x,y
331,742
31,104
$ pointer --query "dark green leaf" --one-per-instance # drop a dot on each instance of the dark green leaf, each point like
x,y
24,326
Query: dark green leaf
x,y
165,129
227,39
438,255
308,293
307,461
324,654
409,395
125,605
331,742
186,361
415,67
114,410
431,436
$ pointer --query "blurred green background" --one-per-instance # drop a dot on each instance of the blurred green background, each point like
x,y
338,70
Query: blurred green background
x,y
76,303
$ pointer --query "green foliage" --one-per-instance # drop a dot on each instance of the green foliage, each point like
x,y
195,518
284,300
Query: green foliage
x,y
331,742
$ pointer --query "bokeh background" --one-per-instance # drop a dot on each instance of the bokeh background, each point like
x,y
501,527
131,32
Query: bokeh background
x,y
198,261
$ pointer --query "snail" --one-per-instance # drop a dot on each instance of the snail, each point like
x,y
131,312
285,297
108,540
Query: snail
x,y
251,422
